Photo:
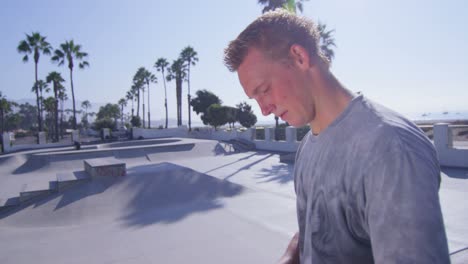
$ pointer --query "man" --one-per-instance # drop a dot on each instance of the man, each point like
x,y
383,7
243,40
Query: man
x,y
366,178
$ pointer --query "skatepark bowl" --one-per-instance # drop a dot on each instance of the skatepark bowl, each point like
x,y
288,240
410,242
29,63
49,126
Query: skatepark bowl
x,y
181,200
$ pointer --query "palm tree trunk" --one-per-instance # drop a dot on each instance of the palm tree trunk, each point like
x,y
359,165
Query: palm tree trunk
x,y
121,115
3,129
3,123
39,119
61,118
149,110
165,105
138,103
41,100
73,98
56,115
179,100
143,109
165,95
188,100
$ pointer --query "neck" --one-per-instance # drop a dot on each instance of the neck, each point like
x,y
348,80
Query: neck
x,y
330,99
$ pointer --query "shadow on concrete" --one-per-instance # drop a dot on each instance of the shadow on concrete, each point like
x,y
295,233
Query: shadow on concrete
x,y
137,143
32,163
248,166
81,190
457,173
230,163
459,256
85,190
149,194
282,173
168,193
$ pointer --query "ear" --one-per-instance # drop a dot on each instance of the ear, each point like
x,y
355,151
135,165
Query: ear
x,y
300,56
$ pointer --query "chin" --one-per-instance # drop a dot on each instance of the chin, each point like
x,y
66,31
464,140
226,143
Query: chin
x,y
296,123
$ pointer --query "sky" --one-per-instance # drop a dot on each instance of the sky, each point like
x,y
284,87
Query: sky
x,y
409,55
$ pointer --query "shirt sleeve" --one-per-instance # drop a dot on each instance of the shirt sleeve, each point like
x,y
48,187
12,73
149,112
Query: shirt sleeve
x,y
300,195
403,210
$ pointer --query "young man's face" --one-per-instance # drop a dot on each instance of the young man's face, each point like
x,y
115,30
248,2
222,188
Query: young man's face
x,y
279,88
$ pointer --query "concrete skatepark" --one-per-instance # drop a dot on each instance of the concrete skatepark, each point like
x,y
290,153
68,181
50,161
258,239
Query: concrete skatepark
x,y
182,200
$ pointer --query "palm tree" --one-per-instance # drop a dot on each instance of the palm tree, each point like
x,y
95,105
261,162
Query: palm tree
x,y
122,103
136,93
160,65
35,44
138,84
38,88
130,96
146,77
189,55
50,107
177,71
143,105
56,79
86,105
291,5
326,41
62,95
5,107
71,52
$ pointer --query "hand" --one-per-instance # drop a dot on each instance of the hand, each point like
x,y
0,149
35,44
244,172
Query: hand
x,y
291,256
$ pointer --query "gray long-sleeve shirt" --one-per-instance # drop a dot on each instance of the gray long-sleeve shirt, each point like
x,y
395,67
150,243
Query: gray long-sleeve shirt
x,y
367,191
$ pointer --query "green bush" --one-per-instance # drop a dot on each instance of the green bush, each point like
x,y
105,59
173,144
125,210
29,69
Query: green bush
x,y
104,123
135,121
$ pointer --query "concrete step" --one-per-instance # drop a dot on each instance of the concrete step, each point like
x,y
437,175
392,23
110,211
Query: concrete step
x,y
6,202
288,157
30,191
105,167
68,179
36,189
242,145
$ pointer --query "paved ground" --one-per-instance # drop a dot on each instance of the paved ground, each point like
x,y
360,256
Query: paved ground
x,y
183,200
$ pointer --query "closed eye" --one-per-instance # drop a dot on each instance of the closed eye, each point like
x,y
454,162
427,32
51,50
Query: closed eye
x,y
265,91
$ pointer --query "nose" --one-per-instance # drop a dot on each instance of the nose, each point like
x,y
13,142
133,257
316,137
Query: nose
x,y
266,108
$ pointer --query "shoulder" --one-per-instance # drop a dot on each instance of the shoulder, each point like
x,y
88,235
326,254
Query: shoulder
x,y
385,128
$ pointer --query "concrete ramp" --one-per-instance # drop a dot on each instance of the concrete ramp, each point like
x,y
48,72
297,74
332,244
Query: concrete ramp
x,y
147,142
147,195
158,213
32,163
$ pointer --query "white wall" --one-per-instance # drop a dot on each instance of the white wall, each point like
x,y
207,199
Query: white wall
x,y
448,155
159,133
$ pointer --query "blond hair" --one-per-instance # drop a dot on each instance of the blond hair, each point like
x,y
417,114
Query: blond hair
x,y
274,33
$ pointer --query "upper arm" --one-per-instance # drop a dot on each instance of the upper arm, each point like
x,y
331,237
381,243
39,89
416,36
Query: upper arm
x,y
403,210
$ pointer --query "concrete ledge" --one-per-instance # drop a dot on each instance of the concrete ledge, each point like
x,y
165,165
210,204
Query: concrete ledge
x,y
68,179
29,192
241,144
6,202
448,155
104,167
288,157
